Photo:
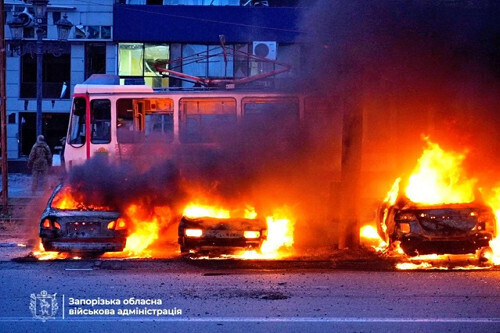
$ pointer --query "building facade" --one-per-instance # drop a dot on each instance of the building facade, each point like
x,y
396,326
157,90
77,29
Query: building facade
x,y
127,38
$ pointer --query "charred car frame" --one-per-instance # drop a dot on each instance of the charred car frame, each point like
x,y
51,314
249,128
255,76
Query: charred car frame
x,y
81,230
220,235
465,228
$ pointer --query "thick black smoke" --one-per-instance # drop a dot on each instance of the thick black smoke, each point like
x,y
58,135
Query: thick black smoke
x,y
119,185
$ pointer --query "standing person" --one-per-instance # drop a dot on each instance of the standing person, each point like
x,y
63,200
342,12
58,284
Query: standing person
x,y
39,161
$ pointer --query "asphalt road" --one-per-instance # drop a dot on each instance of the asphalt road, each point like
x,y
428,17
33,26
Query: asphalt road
x,y
214,297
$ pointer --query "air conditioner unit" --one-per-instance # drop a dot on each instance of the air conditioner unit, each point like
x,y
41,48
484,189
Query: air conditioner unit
x,y
265,49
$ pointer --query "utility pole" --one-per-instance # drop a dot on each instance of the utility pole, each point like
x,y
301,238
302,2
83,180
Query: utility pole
x,y
3,113
352,144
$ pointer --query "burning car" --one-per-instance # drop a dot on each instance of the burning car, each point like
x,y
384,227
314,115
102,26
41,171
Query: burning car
x,y
462,228
67,225
212,234
438,209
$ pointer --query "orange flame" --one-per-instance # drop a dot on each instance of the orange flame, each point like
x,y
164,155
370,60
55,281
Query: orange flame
x,y
40,253
144,228
439,178
64,200
67,198
368,235
279,240
198,210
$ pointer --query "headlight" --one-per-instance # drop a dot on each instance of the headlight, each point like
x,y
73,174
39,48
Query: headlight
x,y
193,232
251,234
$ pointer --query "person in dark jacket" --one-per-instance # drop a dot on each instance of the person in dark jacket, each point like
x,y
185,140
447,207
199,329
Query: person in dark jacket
x,y
39,162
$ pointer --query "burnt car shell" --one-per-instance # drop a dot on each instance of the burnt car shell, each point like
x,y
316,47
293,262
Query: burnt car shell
x,y
438,229
80,231
220,235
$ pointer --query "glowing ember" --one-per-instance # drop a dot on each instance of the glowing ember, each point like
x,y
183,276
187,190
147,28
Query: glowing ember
x,y
439,178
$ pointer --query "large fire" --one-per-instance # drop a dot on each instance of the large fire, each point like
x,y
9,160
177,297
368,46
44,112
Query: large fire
x,y
280,228
145,225
438,178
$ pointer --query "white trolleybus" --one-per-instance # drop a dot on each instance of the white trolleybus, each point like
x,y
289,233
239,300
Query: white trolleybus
x,y
110,118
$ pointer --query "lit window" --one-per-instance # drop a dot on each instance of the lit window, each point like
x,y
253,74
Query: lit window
x,y
131,57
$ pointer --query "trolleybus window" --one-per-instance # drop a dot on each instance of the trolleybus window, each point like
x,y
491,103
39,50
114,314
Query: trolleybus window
x,y
264,109
144,119
124,121
201,119
159,116
77,124
100,118
160,124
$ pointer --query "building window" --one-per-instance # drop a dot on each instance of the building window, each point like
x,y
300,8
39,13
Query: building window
x,y
92,32
95,59
206,61
138,60
56,72
152,54
131,58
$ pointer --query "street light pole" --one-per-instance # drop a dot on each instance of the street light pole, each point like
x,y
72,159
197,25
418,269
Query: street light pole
x,y
40,9
39,80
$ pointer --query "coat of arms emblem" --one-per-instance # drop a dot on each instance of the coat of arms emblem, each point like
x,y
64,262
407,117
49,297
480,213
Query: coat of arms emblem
x,y
44,306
